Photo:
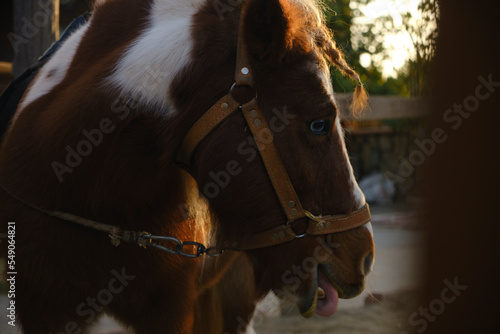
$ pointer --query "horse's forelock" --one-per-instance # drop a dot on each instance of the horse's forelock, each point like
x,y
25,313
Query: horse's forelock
x,y
308,30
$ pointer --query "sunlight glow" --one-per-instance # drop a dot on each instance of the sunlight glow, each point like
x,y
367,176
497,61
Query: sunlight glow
x,y
399,45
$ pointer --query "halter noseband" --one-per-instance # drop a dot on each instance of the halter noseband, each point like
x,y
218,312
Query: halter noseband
x,y
256,121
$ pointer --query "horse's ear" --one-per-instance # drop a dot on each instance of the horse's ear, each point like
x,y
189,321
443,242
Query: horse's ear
x,y
266,29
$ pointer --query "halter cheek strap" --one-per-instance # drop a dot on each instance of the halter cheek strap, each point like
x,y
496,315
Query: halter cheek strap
x,y
213,117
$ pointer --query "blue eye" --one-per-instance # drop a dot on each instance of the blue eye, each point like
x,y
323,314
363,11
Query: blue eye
x,y
319,127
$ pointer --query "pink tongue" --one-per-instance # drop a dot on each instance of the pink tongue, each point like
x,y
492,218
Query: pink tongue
x,y
327,306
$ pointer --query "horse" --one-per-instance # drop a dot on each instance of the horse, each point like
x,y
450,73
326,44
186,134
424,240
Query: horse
x,y
176,154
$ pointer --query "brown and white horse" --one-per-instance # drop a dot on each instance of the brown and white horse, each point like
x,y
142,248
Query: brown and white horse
x,y
97,135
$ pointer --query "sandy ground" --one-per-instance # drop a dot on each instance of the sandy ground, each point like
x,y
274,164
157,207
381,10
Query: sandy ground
x,y
388,316
395,280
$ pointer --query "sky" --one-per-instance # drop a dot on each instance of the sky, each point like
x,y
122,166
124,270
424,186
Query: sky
x,y
399,45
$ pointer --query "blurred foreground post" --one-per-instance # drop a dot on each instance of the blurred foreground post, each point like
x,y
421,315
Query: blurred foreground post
x,y
36,27
462,286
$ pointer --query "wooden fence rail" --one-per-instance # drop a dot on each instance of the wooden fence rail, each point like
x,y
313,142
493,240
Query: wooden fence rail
x,y
386,107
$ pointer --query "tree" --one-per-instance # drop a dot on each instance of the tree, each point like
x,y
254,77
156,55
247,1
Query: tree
x,y
339,18
422,29
423,34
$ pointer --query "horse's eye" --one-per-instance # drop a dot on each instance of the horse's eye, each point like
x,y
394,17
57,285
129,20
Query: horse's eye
x,y
319,127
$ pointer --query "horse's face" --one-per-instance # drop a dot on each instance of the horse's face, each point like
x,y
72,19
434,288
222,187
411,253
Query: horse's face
x,y
292,82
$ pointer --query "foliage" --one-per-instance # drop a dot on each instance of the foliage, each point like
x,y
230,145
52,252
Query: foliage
x,y
339,20
369,39
423,34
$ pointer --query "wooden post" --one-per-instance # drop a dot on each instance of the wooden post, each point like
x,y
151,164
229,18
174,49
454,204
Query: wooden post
x,y
36,27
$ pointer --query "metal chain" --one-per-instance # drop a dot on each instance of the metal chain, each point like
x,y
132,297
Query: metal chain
x,y
148,241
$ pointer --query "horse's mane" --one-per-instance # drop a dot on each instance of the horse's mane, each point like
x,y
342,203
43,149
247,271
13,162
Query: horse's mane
x,y
307,26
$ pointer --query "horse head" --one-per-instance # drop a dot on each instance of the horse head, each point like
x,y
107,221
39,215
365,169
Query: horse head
x,y
281,51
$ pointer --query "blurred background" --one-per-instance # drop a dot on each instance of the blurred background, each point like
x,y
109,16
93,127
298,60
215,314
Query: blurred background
x,y
392,44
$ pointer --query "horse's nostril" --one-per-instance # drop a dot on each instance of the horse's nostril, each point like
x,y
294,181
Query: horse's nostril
x,y
368,263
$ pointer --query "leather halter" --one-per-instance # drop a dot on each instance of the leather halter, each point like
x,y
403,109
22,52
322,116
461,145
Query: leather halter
x,y
256,120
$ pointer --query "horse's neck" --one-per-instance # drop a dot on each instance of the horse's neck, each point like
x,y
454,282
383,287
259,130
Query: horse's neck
x,y
95,82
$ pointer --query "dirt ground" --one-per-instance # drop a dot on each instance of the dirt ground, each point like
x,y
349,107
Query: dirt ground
x,y
388,316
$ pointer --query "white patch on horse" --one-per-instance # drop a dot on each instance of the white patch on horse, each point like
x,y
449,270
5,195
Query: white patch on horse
x,y
55,70
152,61
359,197
369,227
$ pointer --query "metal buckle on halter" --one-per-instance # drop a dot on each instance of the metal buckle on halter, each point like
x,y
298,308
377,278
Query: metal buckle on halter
x,y
321,223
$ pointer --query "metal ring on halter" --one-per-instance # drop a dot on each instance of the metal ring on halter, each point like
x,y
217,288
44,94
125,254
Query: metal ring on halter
x,y
297,236
234,86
